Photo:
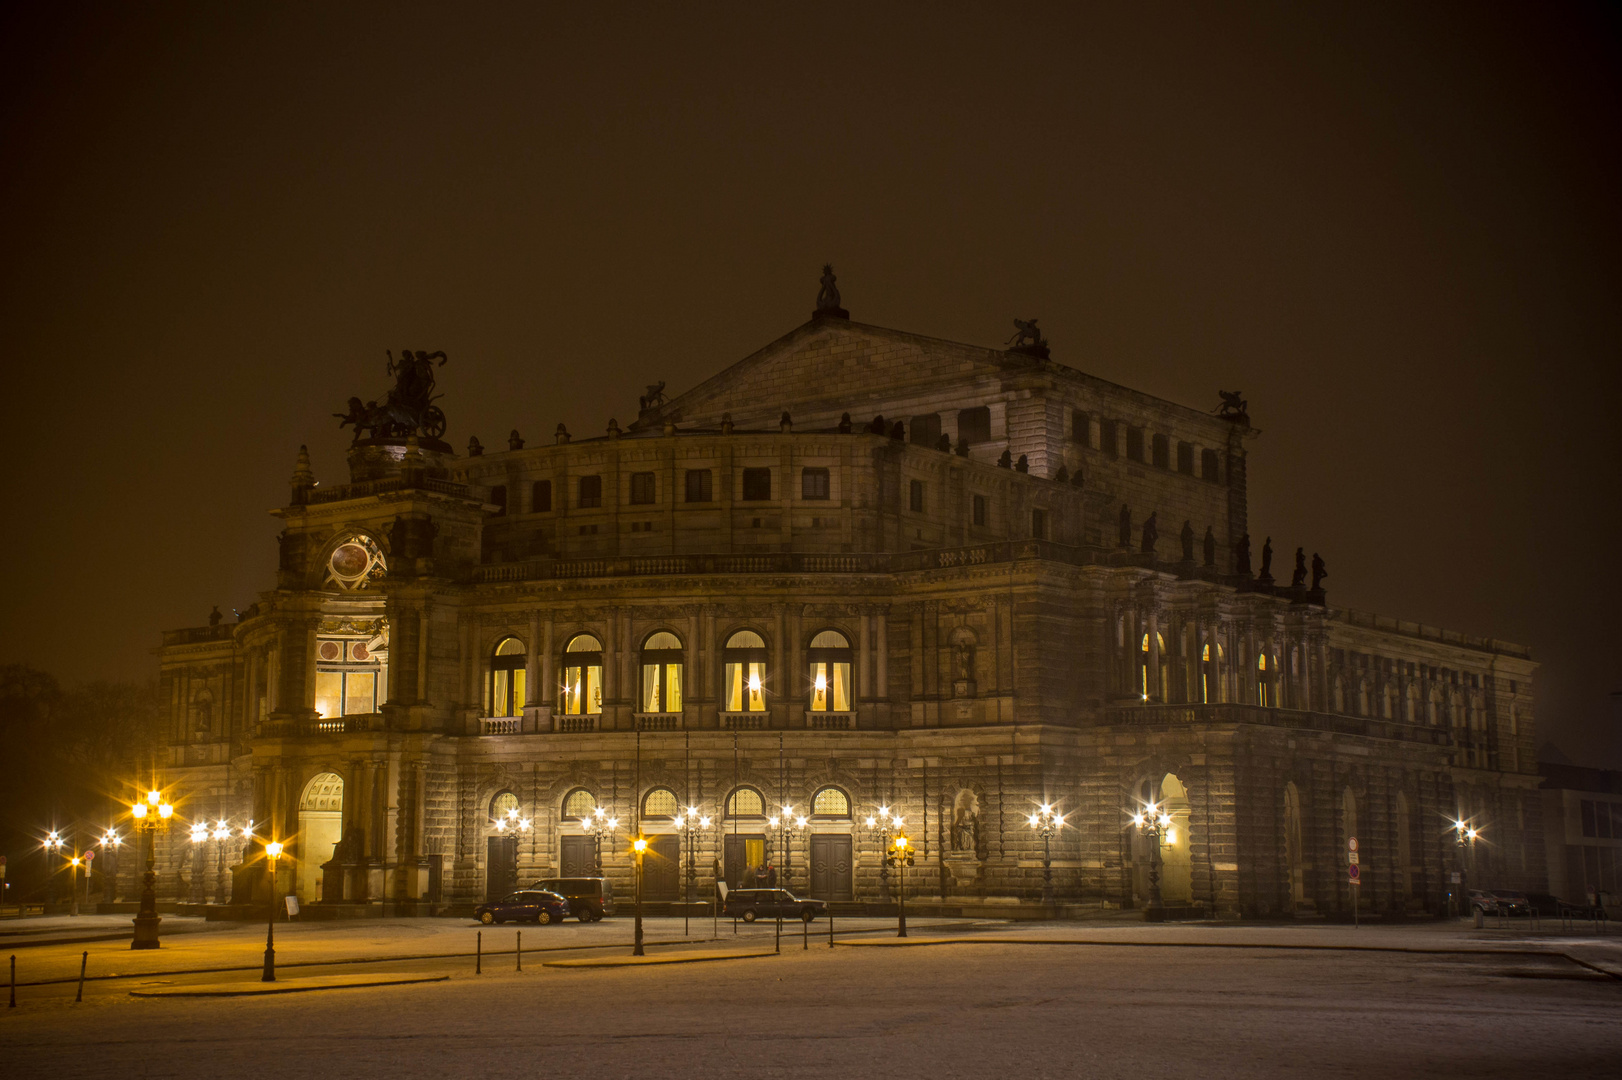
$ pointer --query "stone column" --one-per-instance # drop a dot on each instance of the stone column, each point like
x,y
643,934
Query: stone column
x,y
864,671
549,679
532,662
883,656
1156,691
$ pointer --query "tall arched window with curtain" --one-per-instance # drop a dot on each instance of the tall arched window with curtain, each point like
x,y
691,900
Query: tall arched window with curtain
x,y
744,672
829,657
582,689
662,659
507,678
1154,683
1264,681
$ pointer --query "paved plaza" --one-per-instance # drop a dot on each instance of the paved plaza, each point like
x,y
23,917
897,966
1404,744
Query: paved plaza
x,y
959,998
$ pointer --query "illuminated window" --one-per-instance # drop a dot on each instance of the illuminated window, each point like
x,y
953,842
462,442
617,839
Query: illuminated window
x,y
662,658
1157,685
661,802
744,669
830,802
582,689
347,673
745,802
1264,681
507,678
502,805
579,803
830,658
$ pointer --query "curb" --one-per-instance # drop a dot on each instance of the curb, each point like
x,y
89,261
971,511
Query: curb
x,y
307,986
645,961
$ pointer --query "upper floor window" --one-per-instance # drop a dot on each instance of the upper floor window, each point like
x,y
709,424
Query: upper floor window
x,y
814,484
346,677
979,510
745,802
662,659
641,488
830,802
744,670
974,425
498,496
1162,451
579,803
1134,443
757,485
926,429
1080,427
507,678
915,496
540,498
591,492
1264,681
660,803
1208,465
582,689
698,485
1185,458
1109,437
830,658
1039,524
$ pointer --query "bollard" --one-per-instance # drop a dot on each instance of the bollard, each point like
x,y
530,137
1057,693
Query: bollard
x,y
777,943
830,924
805,935
478,954
84,959
518,950
13,1004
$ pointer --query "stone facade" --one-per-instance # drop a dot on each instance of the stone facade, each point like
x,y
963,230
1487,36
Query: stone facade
x,y
1001,649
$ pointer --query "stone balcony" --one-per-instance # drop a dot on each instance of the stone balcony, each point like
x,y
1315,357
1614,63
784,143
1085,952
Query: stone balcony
x,y
1189,715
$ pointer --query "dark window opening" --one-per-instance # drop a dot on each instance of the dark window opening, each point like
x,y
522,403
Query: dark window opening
x,y
540,497
1134,444
1208,465
1185,458
591,491
926,429
641,488
698,485
498,495
1162,451
1080,422
814,484
757,485
974,425
1109,437
915,496
979,509
1039,524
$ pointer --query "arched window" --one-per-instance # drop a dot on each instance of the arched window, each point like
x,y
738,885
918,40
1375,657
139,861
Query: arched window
x,y
660,803
1264,681
745,802
744,667
830,802
661,673
1211,657
1155,684
579,803
507,678
504,807
829,656
582,688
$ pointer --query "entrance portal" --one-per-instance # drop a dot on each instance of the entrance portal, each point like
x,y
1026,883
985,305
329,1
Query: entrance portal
x,y
320,827
744,857
831,877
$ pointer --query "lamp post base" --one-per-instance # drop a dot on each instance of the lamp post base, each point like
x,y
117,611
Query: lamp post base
x,y
146,931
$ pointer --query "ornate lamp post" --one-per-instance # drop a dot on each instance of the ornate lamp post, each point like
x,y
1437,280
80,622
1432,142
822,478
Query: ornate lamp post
x,y
199,841
53,848
901,857
222,833
110,843
76,862
597,826
151,817
1046,822
1152,822
788,826
272,851
640,847
880,827
1462,832
691,823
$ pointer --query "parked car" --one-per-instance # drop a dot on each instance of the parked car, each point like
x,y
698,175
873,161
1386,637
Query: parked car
x,y
526,905
590,898
1511,903
1546,904
752,904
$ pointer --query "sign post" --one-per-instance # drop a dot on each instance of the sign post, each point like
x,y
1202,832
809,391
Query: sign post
x,y
1353,874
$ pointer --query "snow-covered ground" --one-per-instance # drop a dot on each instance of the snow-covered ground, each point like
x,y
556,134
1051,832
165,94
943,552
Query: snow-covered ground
x,y
1141,1002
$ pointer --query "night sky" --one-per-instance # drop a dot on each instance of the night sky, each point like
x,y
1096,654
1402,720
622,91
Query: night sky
x,y
1396,230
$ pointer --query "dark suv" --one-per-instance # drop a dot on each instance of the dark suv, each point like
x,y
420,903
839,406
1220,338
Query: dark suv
x,y
590,898
752,904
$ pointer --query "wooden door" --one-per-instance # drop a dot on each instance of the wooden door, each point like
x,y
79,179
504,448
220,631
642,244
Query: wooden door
x,y
831,872
579,857
501,867
661,868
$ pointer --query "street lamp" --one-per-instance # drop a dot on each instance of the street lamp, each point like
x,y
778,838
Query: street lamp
x,y
1463,831
692,823
151,817
272,850
76,863
597,826
110,843
879,828
1152,821
1046,822
901,857
222,833
787,826
640,847
53,847
199,838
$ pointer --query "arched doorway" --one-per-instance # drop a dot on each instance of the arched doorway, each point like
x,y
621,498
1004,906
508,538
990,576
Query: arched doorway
x,y
1176,863
1294,871
320,827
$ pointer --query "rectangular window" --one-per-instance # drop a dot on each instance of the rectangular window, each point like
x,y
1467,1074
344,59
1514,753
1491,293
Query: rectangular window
x,y
1590,828
746,687
1109,437
583,690
1162,451
974,425
830,686
979,509
814,484
345,693
1185,458
1134,443
698,485
591,492
540,499
1039,524
661,688
498,495
926,429
1080,427
757,485
915,496
1208,465
641,488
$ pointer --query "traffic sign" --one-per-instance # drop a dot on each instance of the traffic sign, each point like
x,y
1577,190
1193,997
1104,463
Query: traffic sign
x,y
1351,873
1351,857
1351,843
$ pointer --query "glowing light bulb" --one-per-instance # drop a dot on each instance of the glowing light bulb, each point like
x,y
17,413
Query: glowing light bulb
x,y
1171,836
822,682
139,811
153,797
704,823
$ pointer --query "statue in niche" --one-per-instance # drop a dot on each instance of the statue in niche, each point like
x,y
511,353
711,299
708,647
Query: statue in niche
x,y
966,822
1299,577
1210,546
1241,556
1187,537
1126,526
1151,533
1318,572
1266,574
963,660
